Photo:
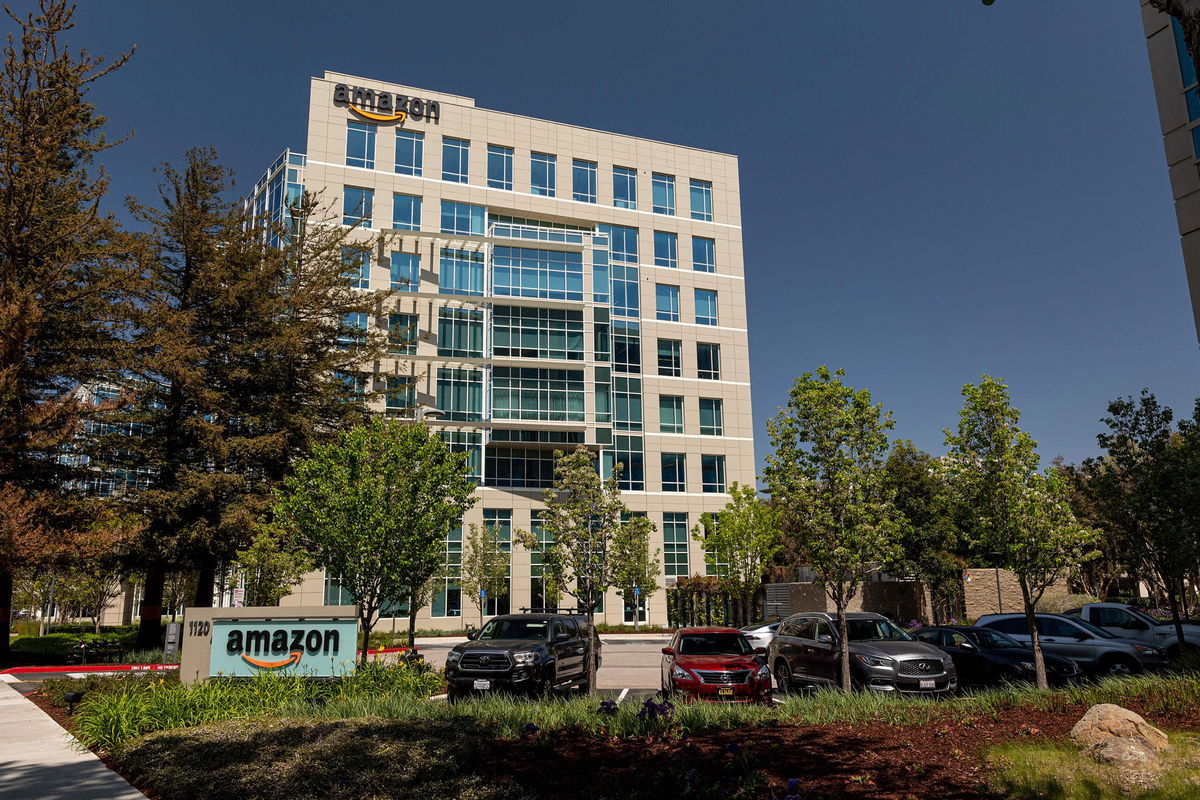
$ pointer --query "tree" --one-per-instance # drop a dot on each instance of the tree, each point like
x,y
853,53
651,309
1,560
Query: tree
x,y
582,520
485,565
1014,510
635,576
1097,575
63,269
1145,491
270,567
931,548
373,509
741,541
827,473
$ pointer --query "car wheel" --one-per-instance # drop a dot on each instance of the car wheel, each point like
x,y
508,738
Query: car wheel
x,y
783,677
1118,667
545,685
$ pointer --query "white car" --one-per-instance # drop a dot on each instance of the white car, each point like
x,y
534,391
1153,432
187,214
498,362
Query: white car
x,y
760,635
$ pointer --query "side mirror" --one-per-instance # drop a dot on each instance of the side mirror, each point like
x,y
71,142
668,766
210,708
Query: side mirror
x,y
667,651
967,646
1081,636
761,651
825,638
562,636
472,634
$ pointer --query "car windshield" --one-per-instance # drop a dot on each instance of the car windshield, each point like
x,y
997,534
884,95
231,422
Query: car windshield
x,y
515,629
714,644
875,630
1092,629
989,639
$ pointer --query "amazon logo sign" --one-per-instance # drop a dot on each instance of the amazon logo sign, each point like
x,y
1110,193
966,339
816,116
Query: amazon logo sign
x,y
317,644
274,649
386,106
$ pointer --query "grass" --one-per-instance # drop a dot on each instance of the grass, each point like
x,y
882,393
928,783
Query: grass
x,y
1041,771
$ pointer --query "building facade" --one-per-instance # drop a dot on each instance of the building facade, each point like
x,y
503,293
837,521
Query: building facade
x,y
553,286
1178,95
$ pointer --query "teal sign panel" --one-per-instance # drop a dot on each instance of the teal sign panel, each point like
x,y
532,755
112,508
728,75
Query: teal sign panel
x,y
309,647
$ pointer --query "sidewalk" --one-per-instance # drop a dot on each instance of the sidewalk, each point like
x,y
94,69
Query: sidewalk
x,y
39,762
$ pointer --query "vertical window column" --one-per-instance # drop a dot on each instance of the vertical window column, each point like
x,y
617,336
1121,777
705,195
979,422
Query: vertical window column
x,y
360,145
542,178
675,544
583,181
455,159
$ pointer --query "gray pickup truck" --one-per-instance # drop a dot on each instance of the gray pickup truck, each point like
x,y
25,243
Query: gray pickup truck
x,y
1133,624
1095,650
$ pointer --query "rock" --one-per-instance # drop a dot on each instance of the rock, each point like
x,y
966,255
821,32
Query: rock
x,y
1105,720
1131,753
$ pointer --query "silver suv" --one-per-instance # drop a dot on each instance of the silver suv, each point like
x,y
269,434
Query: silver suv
x,y
883,657
1096,651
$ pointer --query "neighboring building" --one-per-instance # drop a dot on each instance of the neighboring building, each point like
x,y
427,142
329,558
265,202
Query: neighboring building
x,y
1178,95
565,286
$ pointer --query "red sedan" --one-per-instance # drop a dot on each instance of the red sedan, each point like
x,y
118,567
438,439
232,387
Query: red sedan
x,y
715,665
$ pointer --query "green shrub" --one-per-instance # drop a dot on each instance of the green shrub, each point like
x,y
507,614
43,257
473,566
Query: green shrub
x,y
1058,603
58,645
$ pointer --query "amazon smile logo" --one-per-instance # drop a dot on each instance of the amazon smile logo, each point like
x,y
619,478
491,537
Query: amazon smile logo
x,y
262,648
386,106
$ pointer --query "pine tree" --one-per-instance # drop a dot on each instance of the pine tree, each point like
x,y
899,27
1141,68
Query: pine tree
x,y
62,273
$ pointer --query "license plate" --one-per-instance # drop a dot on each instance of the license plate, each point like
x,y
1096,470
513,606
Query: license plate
x,y
482,684
725,692
926,683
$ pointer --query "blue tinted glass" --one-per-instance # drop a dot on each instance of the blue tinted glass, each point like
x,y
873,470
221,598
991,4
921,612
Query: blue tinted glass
x,y
462,218
410,150
622,242
704,255
406,212
500,167
1187,68
701,199
667,302
356,206
1196,141
360,145
624,187
662,193
455,154
527,272
406,272
541,174
666,249
583,181
460,272
706,307
1193,104
358,267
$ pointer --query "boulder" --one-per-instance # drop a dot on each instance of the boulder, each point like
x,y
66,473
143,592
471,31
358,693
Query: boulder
x,y
1105,721
1131,753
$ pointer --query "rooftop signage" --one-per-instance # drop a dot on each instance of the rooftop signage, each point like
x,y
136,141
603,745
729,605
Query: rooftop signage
x,y
386,106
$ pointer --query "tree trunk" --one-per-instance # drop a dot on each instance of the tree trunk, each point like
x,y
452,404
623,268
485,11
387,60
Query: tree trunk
x,y
6,596
637,615
150,626
364,622
843,646
1176,620
412,622
204,582
1039,661
593,640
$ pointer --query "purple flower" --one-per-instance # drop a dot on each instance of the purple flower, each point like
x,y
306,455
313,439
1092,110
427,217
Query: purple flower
x,y
734,748
529,729
793,787
653,710
608,708
690,777
915,623
953,621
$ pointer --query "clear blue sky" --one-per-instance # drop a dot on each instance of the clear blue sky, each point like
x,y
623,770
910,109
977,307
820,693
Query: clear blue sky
x,y
930,190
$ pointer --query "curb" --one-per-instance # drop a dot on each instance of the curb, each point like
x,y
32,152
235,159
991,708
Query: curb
x,y
91,668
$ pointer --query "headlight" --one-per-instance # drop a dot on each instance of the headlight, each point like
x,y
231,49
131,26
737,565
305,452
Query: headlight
x,y
1147,651
763,673
680,674
452,657
947,661
875,661
525,658
1027,666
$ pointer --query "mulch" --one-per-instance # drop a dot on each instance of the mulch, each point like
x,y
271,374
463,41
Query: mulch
x,y
942,760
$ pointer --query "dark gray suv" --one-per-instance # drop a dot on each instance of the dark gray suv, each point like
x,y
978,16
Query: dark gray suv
x,y
883,657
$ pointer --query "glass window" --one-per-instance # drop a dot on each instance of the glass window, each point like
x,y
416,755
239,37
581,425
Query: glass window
x,y
666,302
702,207
583,181
402,334
704,254
406,272
708,361
712,474
670,357
410,152
544,274
624,187
712,416
460,394
462,218
627,403
354,331
542,174
447,597
500,167
400,400
460,272
1187,67
630,453
627,346
360,145
358,267
356,206
670,414
406,212
706,307
532,332
469,442
520,468
674,475
455,155
622,242
666,249
662,193
555,395
460,333
675,544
